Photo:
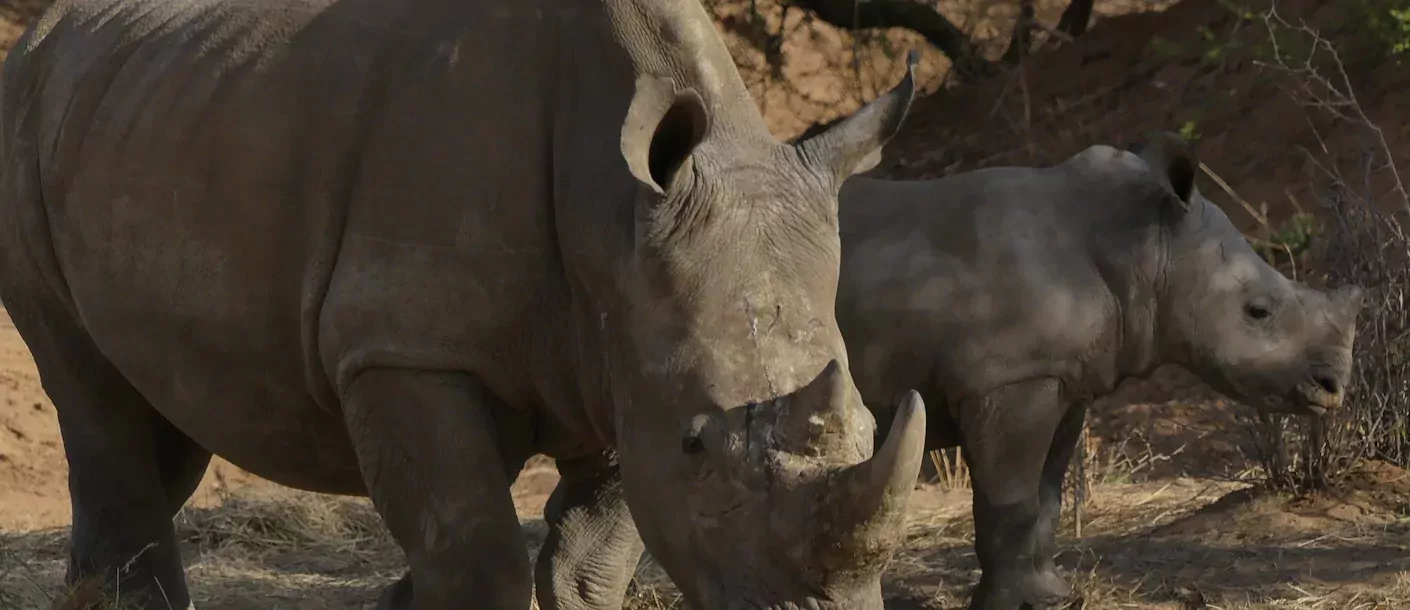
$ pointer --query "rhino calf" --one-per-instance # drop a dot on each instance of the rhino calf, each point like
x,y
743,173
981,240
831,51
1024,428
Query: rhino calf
x,y
1012,297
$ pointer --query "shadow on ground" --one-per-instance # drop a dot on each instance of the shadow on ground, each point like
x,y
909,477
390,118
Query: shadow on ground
x,y
320,553
1246,550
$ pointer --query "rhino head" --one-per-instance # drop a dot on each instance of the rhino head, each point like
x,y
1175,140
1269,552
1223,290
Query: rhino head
x,y
745,450
1236,322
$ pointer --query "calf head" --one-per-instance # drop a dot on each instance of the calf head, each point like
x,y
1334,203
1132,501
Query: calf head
x,y
1232,319
745,450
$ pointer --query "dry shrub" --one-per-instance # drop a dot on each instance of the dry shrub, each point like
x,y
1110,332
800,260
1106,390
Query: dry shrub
x,y
947,469
1363,198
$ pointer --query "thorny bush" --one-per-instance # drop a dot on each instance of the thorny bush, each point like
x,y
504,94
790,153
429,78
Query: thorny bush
x,y
1363,240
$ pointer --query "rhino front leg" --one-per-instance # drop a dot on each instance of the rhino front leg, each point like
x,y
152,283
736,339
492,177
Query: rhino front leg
x,y
1069,432
592,548
1007,435
432,457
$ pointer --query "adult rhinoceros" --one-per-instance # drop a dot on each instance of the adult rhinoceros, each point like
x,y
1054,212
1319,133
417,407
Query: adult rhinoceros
x,y
1012,297
394,247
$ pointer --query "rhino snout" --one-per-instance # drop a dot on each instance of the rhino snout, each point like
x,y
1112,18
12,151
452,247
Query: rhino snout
x,y
1321,390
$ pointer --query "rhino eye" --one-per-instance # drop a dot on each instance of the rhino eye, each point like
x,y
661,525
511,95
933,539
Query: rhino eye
x,y
692,445
1257,311
693,441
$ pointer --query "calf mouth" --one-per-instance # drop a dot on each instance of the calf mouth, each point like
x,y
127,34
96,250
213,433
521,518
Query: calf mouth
x,y
1315,410
1318,395
1294,402
1292,405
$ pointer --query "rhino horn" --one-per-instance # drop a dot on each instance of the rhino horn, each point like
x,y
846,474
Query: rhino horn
x,y
829,389
1351,298
870,497
814,409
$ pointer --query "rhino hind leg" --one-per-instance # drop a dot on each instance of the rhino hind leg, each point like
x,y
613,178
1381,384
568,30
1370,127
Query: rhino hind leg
x,y
130,470
592,548
434,462
1007,435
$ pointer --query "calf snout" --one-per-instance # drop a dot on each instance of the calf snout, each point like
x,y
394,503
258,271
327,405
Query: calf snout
x,y
1322,390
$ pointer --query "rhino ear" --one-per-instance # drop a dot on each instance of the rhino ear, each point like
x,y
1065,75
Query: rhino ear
x,y
1350,299
853,145
1173,161
662,129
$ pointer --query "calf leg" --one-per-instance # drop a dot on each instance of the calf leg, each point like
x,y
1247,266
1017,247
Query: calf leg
x,y
1050,496
1006,439
592,548
130,470
432,457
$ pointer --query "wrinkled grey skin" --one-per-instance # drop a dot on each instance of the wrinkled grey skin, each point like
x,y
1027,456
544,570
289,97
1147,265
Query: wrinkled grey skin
x,y
1013,297
395,247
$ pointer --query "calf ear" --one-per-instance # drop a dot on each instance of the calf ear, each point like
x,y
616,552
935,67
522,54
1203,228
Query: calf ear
x,y
853,145
662,129
1173,161
1350,299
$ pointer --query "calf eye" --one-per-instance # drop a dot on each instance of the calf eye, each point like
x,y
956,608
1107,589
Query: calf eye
x,y
1256,311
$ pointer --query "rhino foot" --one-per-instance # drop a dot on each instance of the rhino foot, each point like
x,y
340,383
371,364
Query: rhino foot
x,y
1049,585
397,596
1034,591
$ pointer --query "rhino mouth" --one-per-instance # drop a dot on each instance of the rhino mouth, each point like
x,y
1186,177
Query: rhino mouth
x,y
1303,399
1321,392
1314,409
1300,402
1292,403
1311,404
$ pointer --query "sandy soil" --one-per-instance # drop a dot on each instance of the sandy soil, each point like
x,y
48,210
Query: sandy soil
x,y
1170,524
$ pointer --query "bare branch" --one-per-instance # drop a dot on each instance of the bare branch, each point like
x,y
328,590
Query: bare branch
x,y
909,14
1364,245
1076,17
1022,41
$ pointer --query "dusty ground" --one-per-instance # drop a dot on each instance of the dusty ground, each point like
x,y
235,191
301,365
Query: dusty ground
x,y
1170,523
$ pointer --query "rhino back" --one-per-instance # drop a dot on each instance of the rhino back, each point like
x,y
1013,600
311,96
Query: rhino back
x,y
247,199
966,283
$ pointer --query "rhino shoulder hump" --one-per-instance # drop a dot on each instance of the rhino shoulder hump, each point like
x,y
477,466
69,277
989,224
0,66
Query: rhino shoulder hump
x,y
1107,159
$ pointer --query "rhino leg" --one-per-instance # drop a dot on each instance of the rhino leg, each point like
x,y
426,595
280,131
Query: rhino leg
x,y
592,548
397,595
1007,435
438,470
1069,432
130,470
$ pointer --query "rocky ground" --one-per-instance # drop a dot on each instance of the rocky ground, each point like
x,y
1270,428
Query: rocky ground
x,y
1171,522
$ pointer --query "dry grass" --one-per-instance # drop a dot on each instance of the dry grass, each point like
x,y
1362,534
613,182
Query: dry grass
x,y
1181,543
265,545
270,523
